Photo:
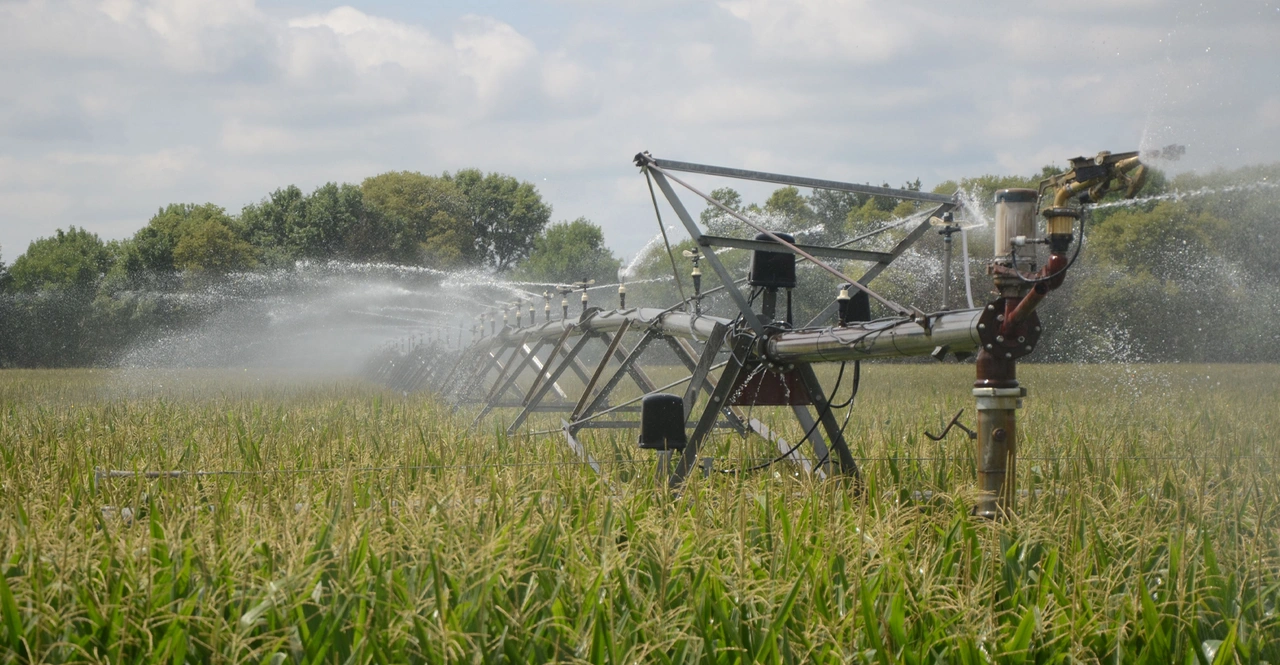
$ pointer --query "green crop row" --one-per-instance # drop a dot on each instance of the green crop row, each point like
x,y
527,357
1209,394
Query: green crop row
x,y
353,525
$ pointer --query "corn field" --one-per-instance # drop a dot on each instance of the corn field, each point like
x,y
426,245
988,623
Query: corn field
x,y
321,520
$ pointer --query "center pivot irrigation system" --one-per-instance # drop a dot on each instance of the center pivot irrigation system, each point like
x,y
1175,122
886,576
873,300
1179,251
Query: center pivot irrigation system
x,y
573,366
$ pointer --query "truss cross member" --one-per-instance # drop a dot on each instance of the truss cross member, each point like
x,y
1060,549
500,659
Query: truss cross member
x,y
625,364
507,383
578,449
552,377
543,371
879,266
500,384
702,367
612,348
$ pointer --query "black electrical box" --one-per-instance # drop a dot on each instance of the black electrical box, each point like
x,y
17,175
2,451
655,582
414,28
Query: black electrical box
x,y
774,270
662,422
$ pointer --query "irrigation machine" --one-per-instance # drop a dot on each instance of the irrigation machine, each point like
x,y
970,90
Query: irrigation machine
x,y
573,365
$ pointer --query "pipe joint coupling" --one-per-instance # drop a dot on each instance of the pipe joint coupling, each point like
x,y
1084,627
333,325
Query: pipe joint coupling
x,y
999,399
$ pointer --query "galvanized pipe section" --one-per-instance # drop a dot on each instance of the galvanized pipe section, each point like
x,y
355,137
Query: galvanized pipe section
x,y
997,448
877,339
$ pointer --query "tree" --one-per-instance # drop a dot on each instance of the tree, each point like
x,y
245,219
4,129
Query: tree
x,y
866,217
208,245
505,215
412,218
790,208
1166,241
717,222
832,208
329,214
272,224
69,259
570,251
209,240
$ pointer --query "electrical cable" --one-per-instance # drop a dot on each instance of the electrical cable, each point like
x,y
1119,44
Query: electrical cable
x,y
826,409
857,380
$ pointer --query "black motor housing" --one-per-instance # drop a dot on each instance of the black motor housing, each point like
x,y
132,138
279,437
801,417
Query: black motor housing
x,y
662,422
775,270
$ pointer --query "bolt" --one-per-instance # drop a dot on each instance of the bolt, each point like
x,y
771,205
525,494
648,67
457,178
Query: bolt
x,y
1021,339
991,307
1000,338
1028,347
989,347
1000,317
1037,328
1008,355
982,326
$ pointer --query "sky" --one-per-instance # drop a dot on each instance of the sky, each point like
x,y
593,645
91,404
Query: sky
x,y
112,109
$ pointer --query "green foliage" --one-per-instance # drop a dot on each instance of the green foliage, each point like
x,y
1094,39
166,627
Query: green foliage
x,y
201,238
71,259
983,188
414,218
504,214
270,224
210,246
288,226
333,211
790,207
1159,240
831,209
866,217
567,252
719,223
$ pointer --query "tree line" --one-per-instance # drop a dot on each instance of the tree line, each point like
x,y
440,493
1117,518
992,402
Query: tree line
x,y
73,299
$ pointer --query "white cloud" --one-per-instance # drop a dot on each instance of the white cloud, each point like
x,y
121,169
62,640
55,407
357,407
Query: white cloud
x,y
365,42
861,31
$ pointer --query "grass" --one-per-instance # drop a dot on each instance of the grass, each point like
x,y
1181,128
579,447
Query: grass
x,y
366,526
